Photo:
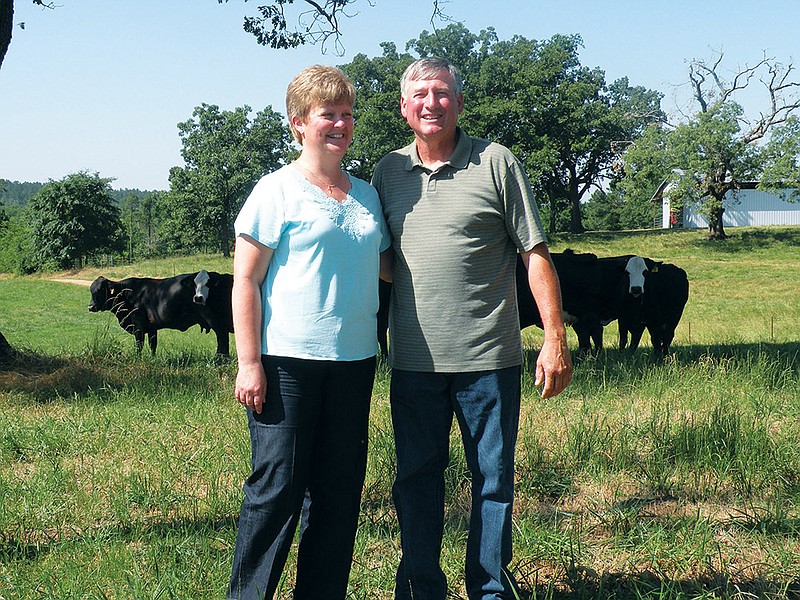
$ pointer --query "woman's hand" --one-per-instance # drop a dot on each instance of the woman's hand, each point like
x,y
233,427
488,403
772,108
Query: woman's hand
x,y
251,386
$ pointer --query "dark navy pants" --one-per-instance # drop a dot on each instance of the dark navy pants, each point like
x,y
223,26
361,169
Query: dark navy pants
x,y
486,406
309,454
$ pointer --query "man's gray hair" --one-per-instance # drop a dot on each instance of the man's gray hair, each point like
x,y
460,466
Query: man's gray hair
x,y
428,68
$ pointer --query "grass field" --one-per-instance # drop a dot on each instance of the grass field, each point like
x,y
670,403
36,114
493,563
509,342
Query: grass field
x,y
120,477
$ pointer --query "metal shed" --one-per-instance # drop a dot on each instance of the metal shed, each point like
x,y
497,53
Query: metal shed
x,y
746,206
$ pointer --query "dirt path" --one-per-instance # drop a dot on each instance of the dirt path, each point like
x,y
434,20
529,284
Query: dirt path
x,y
75,281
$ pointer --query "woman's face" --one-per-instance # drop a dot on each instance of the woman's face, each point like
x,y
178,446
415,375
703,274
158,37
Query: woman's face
x,y
327,128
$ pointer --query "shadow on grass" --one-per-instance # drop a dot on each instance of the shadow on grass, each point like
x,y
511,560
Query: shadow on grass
x,y
44,378
584,584
747,240
16,549
643,359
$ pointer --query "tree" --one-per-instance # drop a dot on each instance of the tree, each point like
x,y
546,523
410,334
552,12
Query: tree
x,y
225,154
16,245
612,210
74,218
718,148
379,126
560,118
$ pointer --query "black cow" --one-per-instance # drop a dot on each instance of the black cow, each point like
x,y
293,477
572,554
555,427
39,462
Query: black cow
x,y
144,305
594,292
660,310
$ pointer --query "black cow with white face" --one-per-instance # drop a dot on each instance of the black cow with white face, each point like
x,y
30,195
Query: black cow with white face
x,y
212,299
144,305
659,310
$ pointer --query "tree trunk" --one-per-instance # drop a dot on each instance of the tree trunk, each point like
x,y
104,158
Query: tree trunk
x,y
715,229
6,26
7,353
575,219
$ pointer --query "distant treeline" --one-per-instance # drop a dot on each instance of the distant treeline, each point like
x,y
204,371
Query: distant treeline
x,y
16,193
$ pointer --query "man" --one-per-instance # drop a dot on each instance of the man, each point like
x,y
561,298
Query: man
x,y
459,210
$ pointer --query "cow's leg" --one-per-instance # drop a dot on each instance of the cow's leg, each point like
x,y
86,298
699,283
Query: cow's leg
x,y
657,337
152,337
223,342
636,336
138,335
623,335
584,337
597,337
669,335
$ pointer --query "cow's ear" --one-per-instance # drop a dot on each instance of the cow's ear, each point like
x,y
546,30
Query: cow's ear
x,y
656,266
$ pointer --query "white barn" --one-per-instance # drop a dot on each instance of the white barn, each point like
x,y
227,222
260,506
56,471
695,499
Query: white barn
x,y
746,206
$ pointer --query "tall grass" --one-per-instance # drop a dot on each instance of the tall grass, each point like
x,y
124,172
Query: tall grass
x,y
120,476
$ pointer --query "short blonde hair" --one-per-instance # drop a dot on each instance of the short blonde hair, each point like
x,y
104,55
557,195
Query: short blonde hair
x,y
314,86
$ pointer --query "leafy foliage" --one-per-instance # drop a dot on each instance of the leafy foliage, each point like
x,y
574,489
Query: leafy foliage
x,y
16,194
379,127
615,211
16,246
561,119
782,157
74,218
225,153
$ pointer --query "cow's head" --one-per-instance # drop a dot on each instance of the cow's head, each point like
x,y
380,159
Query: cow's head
x,y
201,287
101,295
636,269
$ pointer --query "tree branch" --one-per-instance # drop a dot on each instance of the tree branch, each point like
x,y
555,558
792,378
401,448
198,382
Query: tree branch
x,y
773,75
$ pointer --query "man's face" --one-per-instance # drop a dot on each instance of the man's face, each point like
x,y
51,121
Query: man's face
x,y
432,107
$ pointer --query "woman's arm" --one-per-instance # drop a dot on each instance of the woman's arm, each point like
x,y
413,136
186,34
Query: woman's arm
x,y
250,263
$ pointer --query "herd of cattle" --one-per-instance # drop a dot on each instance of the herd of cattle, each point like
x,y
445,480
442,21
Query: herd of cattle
x,y
637,292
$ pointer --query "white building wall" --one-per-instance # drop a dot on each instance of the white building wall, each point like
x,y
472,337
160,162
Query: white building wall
x,y
745,207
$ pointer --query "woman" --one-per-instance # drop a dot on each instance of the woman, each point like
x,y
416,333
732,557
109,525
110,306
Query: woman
x,y
304,307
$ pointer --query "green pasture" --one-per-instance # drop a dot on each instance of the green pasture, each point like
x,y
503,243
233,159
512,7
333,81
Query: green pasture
x,y
120,476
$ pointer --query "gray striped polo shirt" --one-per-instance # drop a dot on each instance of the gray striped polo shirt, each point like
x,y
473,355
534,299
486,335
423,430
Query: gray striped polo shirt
x,y
456,233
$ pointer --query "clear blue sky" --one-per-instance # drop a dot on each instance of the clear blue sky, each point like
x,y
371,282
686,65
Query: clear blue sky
x,y
100,85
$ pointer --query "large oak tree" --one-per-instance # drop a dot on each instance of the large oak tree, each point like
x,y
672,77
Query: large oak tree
x,y
719,147
225,153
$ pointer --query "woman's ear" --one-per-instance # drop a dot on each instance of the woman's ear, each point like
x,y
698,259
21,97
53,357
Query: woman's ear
x,y
297,123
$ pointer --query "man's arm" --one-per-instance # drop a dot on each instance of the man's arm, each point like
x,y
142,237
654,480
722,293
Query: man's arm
x,y
554,365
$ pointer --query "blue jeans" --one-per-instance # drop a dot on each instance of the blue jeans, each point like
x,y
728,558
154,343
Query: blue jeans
x,y
309,455
486,406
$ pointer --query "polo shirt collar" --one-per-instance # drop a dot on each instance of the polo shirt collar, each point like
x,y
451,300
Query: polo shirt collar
x,y
458,160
